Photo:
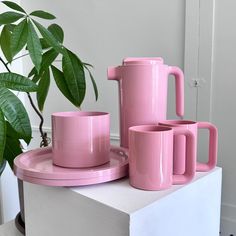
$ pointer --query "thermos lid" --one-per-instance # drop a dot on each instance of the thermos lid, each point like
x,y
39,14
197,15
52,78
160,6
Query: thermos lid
x,y
143,61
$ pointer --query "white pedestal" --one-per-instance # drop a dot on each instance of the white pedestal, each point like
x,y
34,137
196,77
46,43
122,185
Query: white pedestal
x,y
116,209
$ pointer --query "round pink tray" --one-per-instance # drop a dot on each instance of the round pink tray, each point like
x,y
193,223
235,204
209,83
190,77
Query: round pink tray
x,y
36,167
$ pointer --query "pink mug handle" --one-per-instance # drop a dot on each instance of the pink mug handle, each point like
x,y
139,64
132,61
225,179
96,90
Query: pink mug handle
x,y
179,89
114,73
190,167
213,145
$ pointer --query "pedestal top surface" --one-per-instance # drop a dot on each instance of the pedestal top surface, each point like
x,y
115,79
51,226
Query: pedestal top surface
x,y
121,196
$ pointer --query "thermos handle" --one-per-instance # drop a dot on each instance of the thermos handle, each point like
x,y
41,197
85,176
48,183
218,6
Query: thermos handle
x,y
113,73
213,145
190,167
179,89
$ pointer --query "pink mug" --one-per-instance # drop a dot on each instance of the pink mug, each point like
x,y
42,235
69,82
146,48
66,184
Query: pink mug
x,y
80,139
179,144
151,157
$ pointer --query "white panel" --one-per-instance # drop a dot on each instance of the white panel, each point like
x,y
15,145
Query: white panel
x,y
198,65
191,57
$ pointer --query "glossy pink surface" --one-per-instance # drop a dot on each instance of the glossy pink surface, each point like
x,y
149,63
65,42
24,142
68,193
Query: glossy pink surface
x,y
143,92
74,182
80,139
179,144
36,167
151,157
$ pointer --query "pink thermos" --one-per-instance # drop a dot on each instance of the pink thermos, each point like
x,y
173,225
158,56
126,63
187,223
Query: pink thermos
x,y
143,86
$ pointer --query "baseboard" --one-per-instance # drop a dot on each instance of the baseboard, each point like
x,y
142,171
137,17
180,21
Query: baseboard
x,y
114,136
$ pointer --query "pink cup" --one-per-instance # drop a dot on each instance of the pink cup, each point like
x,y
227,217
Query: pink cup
x,y
179,144
80,139
151,157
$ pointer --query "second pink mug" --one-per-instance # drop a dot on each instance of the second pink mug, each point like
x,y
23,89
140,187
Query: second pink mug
x,y
179,144
151,157
80,139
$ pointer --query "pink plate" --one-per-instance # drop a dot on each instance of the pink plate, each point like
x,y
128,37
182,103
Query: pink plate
x,y
74,182
36,167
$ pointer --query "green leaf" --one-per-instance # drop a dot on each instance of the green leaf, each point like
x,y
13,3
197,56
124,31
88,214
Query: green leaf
x,y
17,82
32,72
15,113
61,84
34,46
47,59
43,14
95,89
9,17
43,88
74,74
5,41
19,37
12,146
44,43
36,78
14,6
48,36
2,135
11,133
57,32
11,27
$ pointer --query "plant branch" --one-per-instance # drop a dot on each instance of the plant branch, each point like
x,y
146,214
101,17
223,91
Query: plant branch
x,y
26,54
44,142
5,64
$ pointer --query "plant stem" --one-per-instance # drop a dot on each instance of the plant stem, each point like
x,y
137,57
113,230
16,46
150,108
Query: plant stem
x,y
26,54
44,142
5,64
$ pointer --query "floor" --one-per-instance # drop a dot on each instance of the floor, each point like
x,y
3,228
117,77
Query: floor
x,y
9,229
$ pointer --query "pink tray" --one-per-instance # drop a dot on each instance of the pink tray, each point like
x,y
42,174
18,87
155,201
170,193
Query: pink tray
x,y
36,167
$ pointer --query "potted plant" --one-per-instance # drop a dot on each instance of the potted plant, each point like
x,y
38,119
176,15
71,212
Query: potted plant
x,y
22,35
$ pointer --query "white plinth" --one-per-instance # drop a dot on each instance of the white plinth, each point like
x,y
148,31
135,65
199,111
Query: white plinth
x,y
116,209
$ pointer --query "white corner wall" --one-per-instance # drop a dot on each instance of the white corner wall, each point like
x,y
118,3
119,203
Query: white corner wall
x,y
224,106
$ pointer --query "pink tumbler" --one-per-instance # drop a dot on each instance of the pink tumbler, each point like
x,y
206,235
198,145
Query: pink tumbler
x,y
143,86
151,157
80,139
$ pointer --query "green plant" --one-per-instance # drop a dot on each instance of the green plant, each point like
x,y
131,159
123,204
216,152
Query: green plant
x,y
22,35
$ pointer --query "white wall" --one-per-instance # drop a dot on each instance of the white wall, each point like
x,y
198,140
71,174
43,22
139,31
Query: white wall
x,y
104,32
224,104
